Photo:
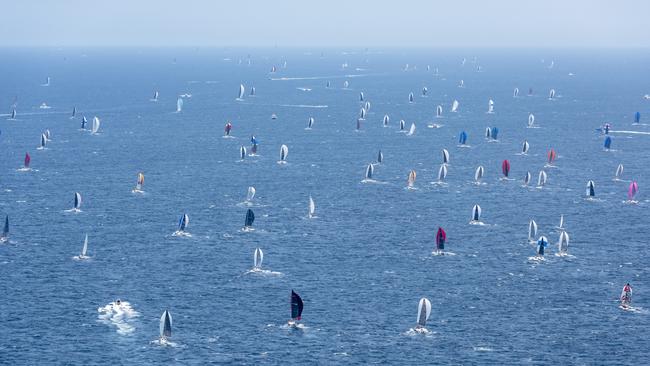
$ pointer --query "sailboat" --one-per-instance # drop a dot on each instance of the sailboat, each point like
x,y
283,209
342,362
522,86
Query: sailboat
x,y
386,120
346,84
284,151
515,93
242,91
542,243
488,133
366,106
84,250
505,169
411,130
252,93
591,193
424,91
250,194
531,120
227,129
183,223
312,208
77,202
619,172
461,84
532,231
445,156
43,142
442,174
494,133
74,112
454,106
551,155
84,122
541,179
95,127
410,182
439,111
608,143
361,97
424,311
13,114
527,178
462,139
26,163
411,97
551,94
632,191
561,225
258,257
296,309
476,215
380,157
490,106
179,105
402,124
310,123
369,172
563,244
253,146
248,222
478,175
4,237
441,237
165,326
139,183
637,118
525,147
242,152
155,96
362,114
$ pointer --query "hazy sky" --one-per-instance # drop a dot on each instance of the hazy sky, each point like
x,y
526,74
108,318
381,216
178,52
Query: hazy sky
x,y
326,23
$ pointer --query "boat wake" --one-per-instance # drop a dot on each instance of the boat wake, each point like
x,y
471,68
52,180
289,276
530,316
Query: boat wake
x,y
264,272
440,253
183,234
121,316
304,105
163,342
414,332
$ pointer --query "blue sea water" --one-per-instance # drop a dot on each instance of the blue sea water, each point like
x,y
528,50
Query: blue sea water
x,y
363,264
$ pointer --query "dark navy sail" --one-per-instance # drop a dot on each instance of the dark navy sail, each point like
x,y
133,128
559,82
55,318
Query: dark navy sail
x,y
296,306
608,142
250,217
495,133
5,230
463,138
637,117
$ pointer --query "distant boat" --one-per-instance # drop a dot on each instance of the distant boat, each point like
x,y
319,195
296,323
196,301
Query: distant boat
x,y
411,130
637,117
461,84
380,157
370,171
310,123
179,105
542,242
530,92
155,96
619,172
47,81
527,178
312,207
411,179
551,156
346,84
77,201
532,230
442,173
13,114
361,97
490,106
258,257
84,249
476,213
328,85
183,223
48,135
284,151
424,311
165,325
515,93
462,139
250,194
139,183
541,179
386,120
28,160
505,168
454,106
242,152
445,156
252,93
439,111
401,124
488,133
362,113
551,94
5,230
227,128
273,69
626,295
74,112
95,127
296,308
253,146
591,189
274,116
84,122
561,226
525,147
43,142
563,243
424,91
250,218
478,175
608,143
366,106
632,190
441,237
531,120
495,133
242,91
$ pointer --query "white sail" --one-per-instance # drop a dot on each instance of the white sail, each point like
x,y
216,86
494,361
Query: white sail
x,y
179,105
525,147
591,189
84,250
165,325
476,213
284,151
77,200
531,120
424,311
411,130
411,178
541,178
532,230
551,94
369,171
310,122
250,194
442,173
242,152
312,207
478,175
96,124
515,93
490,106
386,120
361,96
561,222
461,84
258,258
445,156
619,171
527,178
242,91
563,242
454,106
